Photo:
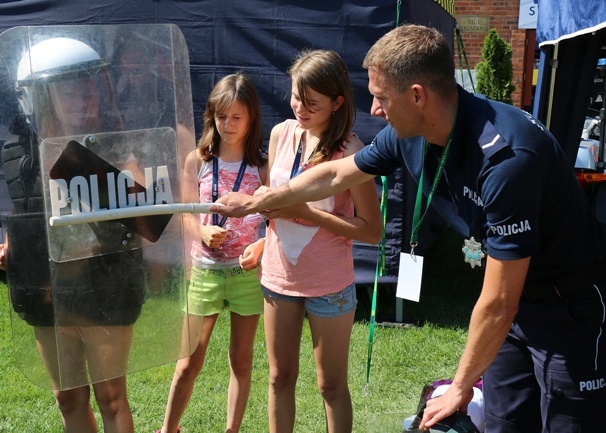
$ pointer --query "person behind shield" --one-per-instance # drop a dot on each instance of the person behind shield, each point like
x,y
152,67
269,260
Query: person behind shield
x,y
139,75
225,258
537,331
82,311
307,266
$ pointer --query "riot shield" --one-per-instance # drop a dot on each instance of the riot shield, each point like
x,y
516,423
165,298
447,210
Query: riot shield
x,y
100,121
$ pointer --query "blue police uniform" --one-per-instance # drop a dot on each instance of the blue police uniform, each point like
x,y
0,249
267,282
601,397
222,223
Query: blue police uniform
x,y
508,183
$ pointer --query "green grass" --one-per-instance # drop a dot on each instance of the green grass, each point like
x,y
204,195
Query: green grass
x,y
404,360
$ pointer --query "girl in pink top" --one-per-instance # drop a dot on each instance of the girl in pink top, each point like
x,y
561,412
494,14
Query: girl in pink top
x,y
226,252
307,265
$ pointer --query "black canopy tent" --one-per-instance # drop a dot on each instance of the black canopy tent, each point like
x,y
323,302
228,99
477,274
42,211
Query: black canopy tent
x,y
261,38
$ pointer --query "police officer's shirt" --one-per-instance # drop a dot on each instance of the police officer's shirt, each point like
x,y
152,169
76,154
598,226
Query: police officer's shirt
x,y
507,182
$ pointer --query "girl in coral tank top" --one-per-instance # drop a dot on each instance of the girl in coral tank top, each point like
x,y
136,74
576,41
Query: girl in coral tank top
x,y
307,265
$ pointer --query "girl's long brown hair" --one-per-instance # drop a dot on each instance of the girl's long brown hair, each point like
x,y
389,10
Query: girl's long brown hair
x,y
325,72
232,88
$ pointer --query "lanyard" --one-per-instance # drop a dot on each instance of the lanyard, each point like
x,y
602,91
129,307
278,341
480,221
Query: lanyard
x,y
215,187
296,170
379,271
295,165
417,217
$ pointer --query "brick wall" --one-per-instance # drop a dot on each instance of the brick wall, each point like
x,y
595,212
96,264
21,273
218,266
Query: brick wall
x,y
504,19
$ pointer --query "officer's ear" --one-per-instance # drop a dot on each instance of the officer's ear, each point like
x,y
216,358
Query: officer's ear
x,y
419,94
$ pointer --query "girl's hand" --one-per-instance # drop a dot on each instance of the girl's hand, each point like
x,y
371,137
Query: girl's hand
x,y
261,190
212,236
249,259
2,257
299,211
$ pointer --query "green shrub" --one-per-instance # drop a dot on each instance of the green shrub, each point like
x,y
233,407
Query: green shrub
x,y
495,72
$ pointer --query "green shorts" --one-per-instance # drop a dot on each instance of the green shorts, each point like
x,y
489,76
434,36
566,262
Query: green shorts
x,y
233,289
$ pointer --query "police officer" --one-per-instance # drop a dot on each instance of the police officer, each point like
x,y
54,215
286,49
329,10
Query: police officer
x,y
81,311
500,178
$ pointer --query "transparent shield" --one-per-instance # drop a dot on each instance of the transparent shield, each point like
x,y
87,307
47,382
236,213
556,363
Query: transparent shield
x,y
94,119
108,171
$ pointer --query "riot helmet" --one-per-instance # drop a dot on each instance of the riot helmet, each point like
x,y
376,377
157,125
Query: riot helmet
x,y
64,88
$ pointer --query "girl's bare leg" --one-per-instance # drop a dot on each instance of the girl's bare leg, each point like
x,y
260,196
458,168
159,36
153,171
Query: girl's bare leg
x,y
331,337
283,326
243,331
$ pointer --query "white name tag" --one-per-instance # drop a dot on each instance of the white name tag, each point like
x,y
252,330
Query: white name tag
x,y
409,277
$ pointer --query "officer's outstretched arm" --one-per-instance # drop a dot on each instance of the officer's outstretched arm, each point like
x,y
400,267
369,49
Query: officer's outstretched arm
x,y
321,181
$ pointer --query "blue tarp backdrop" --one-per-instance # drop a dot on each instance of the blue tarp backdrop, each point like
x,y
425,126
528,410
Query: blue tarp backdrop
x,y
261,38
257,36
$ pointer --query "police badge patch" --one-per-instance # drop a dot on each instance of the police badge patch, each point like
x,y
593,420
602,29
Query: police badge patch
x,y
473,252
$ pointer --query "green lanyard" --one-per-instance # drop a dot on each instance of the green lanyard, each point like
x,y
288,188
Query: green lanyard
x,y
379,270
417,217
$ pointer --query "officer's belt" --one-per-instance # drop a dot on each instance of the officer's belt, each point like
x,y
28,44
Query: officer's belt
x,y
567,284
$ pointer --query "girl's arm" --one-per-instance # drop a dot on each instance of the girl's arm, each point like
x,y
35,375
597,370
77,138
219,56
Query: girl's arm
x,y
365,226
190,194
212,236
251,256
276,131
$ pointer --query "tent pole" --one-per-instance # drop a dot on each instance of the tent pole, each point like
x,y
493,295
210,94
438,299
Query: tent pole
x,y
554,67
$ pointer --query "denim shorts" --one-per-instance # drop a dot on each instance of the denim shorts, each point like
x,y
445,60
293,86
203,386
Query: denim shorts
x,y
333,305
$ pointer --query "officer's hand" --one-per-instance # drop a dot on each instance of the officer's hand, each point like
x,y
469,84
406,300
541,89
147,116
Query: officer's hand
x,y
235,204
441,407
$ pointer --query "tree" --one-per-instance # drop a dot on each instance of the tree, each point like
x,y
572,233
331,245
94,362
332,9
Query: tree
x,y
495,72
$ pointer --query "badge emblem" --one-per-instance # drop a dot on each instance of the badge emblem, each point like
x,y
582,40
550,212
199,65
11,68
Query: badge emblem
x,y
473,252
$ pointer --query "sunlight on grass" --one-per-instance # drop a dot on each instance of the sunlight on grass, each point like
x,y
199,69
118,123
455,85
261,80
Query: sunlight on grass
x,y
403,361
